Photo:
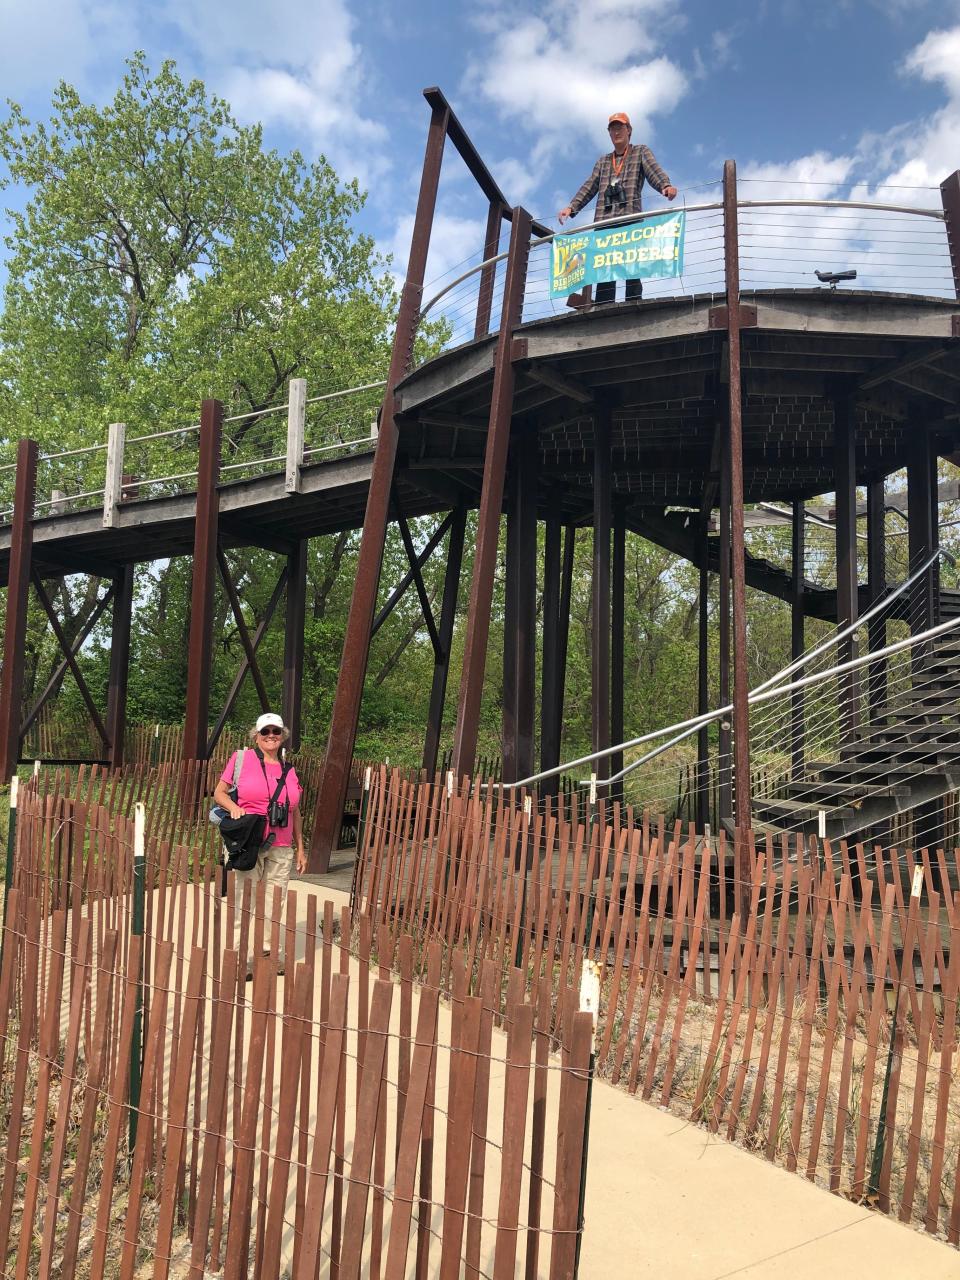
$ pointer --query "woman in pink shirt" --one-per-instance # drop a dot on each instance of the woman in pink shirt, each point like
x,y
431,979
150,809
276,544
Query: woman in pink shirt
x,y
260,772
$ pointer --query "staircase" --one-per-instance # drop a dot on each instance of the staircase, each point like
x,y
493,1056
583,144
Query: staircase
x,y
899,761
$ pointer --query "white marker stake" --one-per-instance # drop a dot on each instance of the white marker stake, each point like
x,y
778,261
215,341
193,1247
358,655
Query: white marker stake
x,y
14,789
917,882
822,824
590,992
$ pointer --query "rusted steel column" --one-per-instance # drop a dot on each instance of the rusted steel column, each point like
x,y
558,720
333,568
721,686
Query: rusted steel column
x,y
549,666
448,616
618,588
950,197
845,455
725,755
600,626
922,528
877,584
200,653
741,710
356,643
491,500
18,589
511,610
703,683
119,663
491,247
797,636
528,469
293,640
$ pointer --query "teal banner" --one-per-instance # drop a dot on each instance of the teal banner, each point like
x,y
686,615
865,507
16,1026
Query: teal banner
x,y
649,249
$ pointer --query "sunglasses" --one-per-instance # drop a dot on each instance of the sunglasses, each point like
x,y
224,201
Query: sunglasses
x,y
271,733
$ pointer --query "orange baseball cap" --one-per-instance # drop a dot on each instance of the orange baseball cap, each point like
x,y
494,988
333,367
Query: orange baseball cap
x,y
621,117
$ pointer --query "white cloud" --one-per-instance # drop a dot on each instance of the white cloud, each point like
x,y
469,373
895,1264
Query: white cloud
x,y
549,66
815,176
64,38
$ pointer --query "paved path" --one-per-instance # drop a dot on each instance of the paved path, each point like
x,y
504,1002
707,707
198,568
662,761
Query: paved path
x,y
668,1199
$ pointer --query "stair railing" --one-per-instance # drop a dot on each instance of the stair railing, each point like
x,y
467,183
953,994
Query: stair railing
x,y
771,687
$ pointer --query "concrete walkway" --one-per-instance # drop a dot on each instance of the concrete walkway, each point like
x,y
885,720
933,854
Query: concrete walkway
x,y
668,1199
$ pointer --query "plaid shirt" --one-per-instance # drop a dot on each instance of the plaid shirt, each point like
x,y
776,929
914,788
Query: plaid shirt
x,y
640,164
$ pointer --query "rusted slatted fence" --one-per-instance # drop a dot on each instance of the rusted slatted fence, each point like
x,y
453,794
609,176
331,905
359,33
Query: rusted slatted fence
x,y
820,1028
323,1118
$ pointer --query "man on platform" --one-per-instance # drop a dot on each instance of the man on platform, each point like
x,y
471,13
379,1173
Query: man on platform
x,y
619,176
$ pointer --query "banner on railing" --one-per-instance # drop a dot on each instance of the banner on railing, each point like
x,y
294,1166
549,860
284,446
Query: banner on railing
x,y
649,249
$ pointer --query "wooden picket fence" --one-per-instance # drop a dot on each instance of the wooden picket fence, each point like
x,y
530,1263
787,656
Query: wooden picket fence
x,y
161,1115
818,1026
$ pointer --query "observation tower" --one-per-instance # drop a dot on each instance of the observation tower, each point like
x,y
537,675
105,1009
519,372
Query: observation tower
x,y
743,395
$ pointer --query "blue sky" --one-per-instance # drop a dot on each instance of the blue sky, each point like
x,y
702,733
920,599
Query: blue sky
x,y
845,95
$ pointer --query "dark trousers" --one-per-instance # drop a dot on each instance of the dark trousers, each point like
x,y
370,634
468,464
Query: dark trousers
x,y
607,292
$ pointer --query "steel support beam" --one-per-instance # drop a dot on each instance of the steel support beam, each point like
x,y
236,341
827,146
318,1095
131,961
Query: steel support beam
x,y
845,456
293,625
526,638
600,623
797,637
249,651
448,616
491,247
200,652
877,584
59,671
511,617
741,710
119,664
725,741
703,680
244,667
356,643
549,665
950,197
617,666
491,501
922,528
67,650
15,621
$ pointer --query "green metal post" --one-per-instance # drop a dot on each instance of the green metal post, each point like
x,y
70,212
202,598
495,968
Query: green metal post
x,y
518,953
876,1164
139,893
11,856
361,834
589,1003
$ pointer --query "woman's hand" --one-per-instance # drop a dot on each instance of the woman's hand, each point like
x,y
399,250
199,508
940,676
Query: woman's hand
x,y
235,811
301,860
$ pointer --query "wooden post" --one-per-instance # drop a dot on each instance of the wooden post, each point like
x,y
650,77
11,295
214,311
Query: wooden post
x,y
296,425
113,484
550,726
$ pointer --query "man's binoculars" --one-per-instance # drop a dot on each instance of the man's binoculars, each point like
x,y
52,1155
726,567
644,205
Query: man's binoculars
x,y
614,196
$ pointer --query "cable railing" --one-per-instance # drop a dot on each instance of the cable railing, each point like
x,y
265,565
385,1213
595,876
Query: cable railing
x,y
783,242
783,682
298,432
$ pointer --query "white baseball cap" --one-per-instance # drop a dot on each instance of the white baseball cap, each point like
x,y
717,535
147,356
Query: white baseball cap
x,y
269,718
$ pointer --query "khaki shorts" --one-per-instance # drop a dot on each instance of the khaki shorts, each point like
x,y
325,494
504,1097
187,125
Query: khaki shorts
x,y
273,867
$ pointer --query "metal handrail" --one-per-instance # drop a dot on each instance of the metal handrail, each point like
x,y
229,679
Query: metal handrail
x,y
937,214
762,693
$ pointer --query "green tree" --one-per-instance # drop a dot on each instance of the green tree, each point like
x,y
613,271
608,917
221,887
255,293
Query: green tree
x,y
165,254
